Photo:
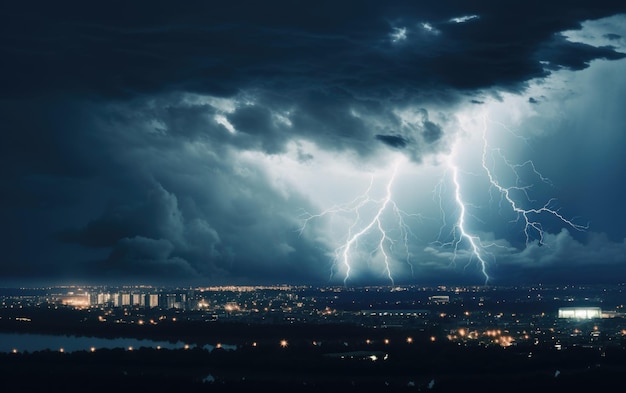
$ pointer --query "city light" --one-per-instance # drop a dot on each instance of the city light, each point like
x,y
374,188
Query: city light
x,y
491,325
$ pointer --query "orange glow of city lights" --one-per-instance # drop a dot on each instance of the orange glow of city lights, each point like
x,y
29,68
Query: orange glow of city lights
x,y
505,341
61,350
283,343
92,349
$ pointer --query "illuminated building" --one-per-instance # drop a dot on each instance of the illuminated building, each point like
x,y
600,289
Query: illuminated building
x,y
152,300
138,299
580,312
440,299
125,299
103,298
78,300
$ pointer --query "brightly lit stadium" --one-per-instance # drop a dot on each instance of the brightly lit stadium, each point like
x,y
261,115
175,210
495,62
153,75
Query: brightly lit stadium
x,y
580,312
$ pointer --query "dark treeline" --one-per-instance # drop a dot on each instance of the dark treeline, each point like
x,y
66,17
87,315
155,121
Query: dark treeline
x,y
437,367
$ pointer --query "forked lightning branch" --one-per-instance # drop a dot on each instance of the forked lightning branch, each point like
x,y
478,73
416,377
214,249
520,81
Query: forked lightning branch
x,y
378,235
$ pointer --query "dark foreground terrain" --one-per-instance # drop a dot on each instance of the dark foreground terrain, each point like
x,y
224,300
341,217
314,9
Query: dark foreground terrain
x,y
356,360
436,368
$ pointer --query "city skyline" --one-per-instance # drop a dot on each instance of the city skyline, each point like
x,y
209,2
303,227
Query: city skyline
x,y
351,143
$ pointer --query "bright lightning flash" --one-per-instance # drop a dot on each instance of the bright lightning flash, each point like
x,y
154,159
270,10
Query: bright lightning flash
x,y
476,246
528,216
369,216
531,226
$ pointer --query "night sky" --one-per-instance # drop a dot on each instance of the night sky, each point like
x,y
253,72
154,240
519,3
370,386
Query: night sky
x,y
326,142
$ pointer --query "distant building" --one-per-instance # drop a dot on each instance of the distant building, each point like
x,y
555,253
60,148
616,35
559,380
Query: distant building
x,y
152,300
76,300
395,313
138,299
580,312
103,298
175,300
117,299
125,299
613,314
440,299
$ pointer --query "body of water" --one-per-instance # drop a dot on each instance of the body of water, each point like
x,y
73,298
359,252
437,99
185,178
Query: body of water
x,y
20,342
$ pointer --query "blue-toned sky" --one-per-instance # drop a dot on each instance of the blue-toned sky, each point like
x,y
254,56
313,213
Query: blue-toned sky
x,y
344,142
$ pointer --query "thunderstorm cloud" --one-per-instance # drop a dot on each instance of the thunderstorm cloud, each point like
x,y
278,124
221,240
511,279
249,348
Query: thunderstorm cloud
x,y
185,143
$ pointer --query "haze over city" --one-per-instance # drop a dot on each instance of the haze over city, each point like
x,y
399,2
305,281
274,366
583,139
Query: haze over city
x,y
328,143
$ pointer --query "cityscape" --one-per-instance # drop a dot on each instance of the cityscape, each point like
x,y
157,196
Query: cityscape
x,y
313,196
554,316
561,332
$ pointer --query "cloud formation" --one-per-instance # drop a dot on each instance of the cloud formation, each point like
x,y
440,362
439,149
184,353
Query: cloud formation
x,y
152,140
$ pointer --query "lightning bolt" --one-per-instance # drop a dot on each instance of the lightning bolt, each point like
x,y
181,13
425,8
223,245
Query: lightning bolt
x,y
509,184
459,232
476,245
527,216
361,226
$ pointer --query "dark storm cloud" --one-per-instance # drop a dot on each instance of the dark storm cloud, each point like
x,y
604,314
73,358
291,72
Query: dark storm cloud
x,y
121,49
396,141
566,260
432,132
173,180
111,145
155,215
560,52
320,62
146,258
